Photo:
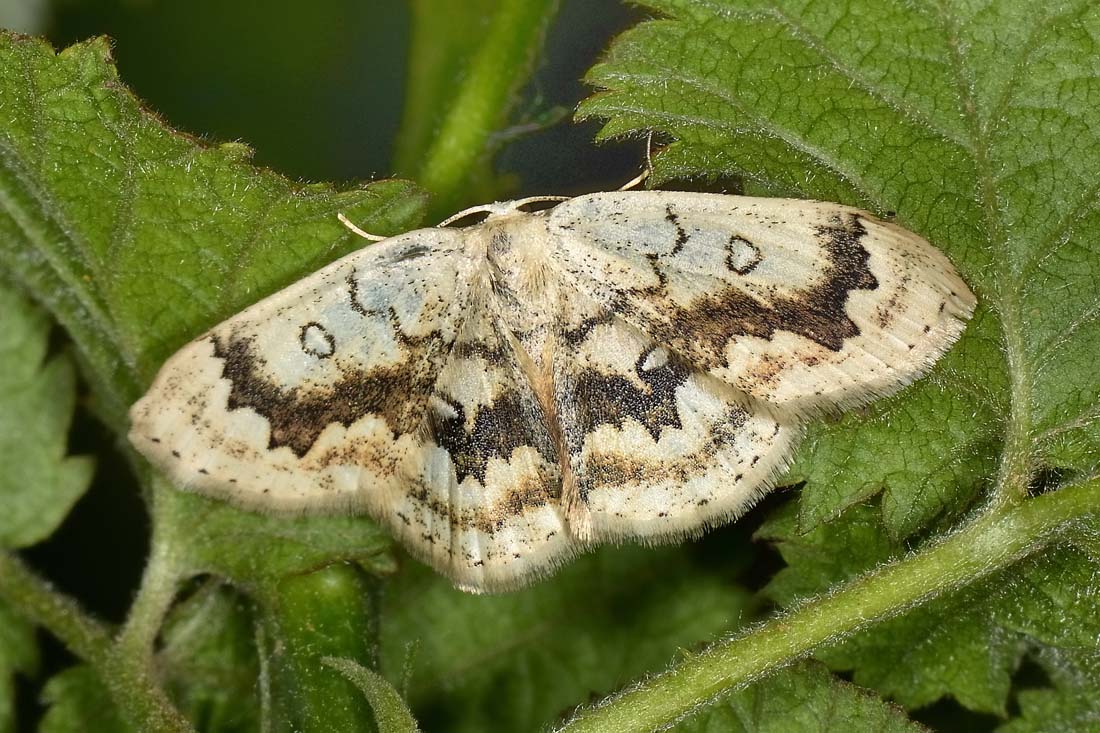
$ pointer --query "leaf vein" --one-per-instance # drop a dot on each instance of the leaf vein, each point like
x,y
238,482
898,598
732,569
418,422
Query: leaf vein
x,y
761,127
997,114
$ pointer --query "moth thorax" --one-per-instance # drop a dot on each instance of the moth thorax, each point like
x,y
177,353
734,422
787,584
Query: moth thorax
x,y
519,273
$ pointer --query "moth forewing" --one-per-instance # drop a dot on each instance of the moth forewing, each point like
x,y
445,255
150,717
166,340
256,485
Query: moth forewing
x,y
290,405
803,304
502,396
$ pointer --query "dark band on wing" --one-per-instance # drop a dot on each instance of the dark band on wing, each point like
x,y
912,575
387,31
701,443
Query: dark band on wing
x,y
298,416
573,337
498,429
818,313
492,352
596,398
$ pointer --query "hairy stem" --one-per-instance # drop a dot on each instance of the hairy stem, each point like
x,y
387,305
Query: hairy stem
x,y
990,543
138,696
132,662
37,600
128,677
154,598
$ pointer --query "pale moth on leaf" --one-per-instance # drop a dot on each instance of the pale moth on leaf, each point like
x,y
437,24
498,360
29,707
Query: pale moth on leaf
x,y
629,365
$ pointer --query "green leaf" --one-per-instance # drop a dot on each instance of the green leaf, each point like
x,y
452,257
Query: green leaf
x,y
78,701
1071,704
970,124
1061,610
975,126
948,646
859,539
309,603
39,483
135,237
18,655
390,711
248,549
937,475
967,644
208,660
989,545
804,698
1055,711
522,660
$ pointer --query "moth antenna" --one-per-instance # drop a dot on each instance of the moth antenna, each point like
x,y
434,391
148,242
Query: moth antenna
x,y
539,200
486,208
640,178
369,237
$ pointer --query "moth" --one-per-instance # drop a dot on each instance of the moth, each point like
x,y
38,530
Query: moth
x,y
629,365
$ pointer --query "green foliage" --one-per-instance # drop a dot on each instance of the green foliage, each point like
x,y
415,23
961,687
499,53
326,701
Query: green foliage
x,y
1070,704
309,618
954,420
518,661
390,711
804,698
39,483
84,174
946,119
966,645
18,654
78,701
917,556
209,661
134,237
264,548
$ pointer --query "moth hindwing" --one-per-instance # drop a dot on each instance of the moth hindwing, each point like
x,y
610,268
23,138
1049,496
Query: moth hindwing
x,y
501,396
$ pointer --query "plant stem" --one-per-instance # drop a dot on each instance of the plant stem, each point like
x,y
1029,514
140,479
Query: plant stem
x,y
154,598
127,677
132,669
499,66
138,697
327,612
986,545
36,599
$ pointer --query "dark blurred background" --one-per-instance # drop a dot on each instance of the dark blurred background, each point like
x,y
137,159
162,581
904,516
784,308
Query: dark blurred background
x,y
317,88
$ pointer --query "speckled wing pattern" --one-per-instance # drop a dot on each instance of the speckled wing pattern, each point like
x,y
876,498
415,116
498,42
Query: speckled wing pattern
x,y
505,395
